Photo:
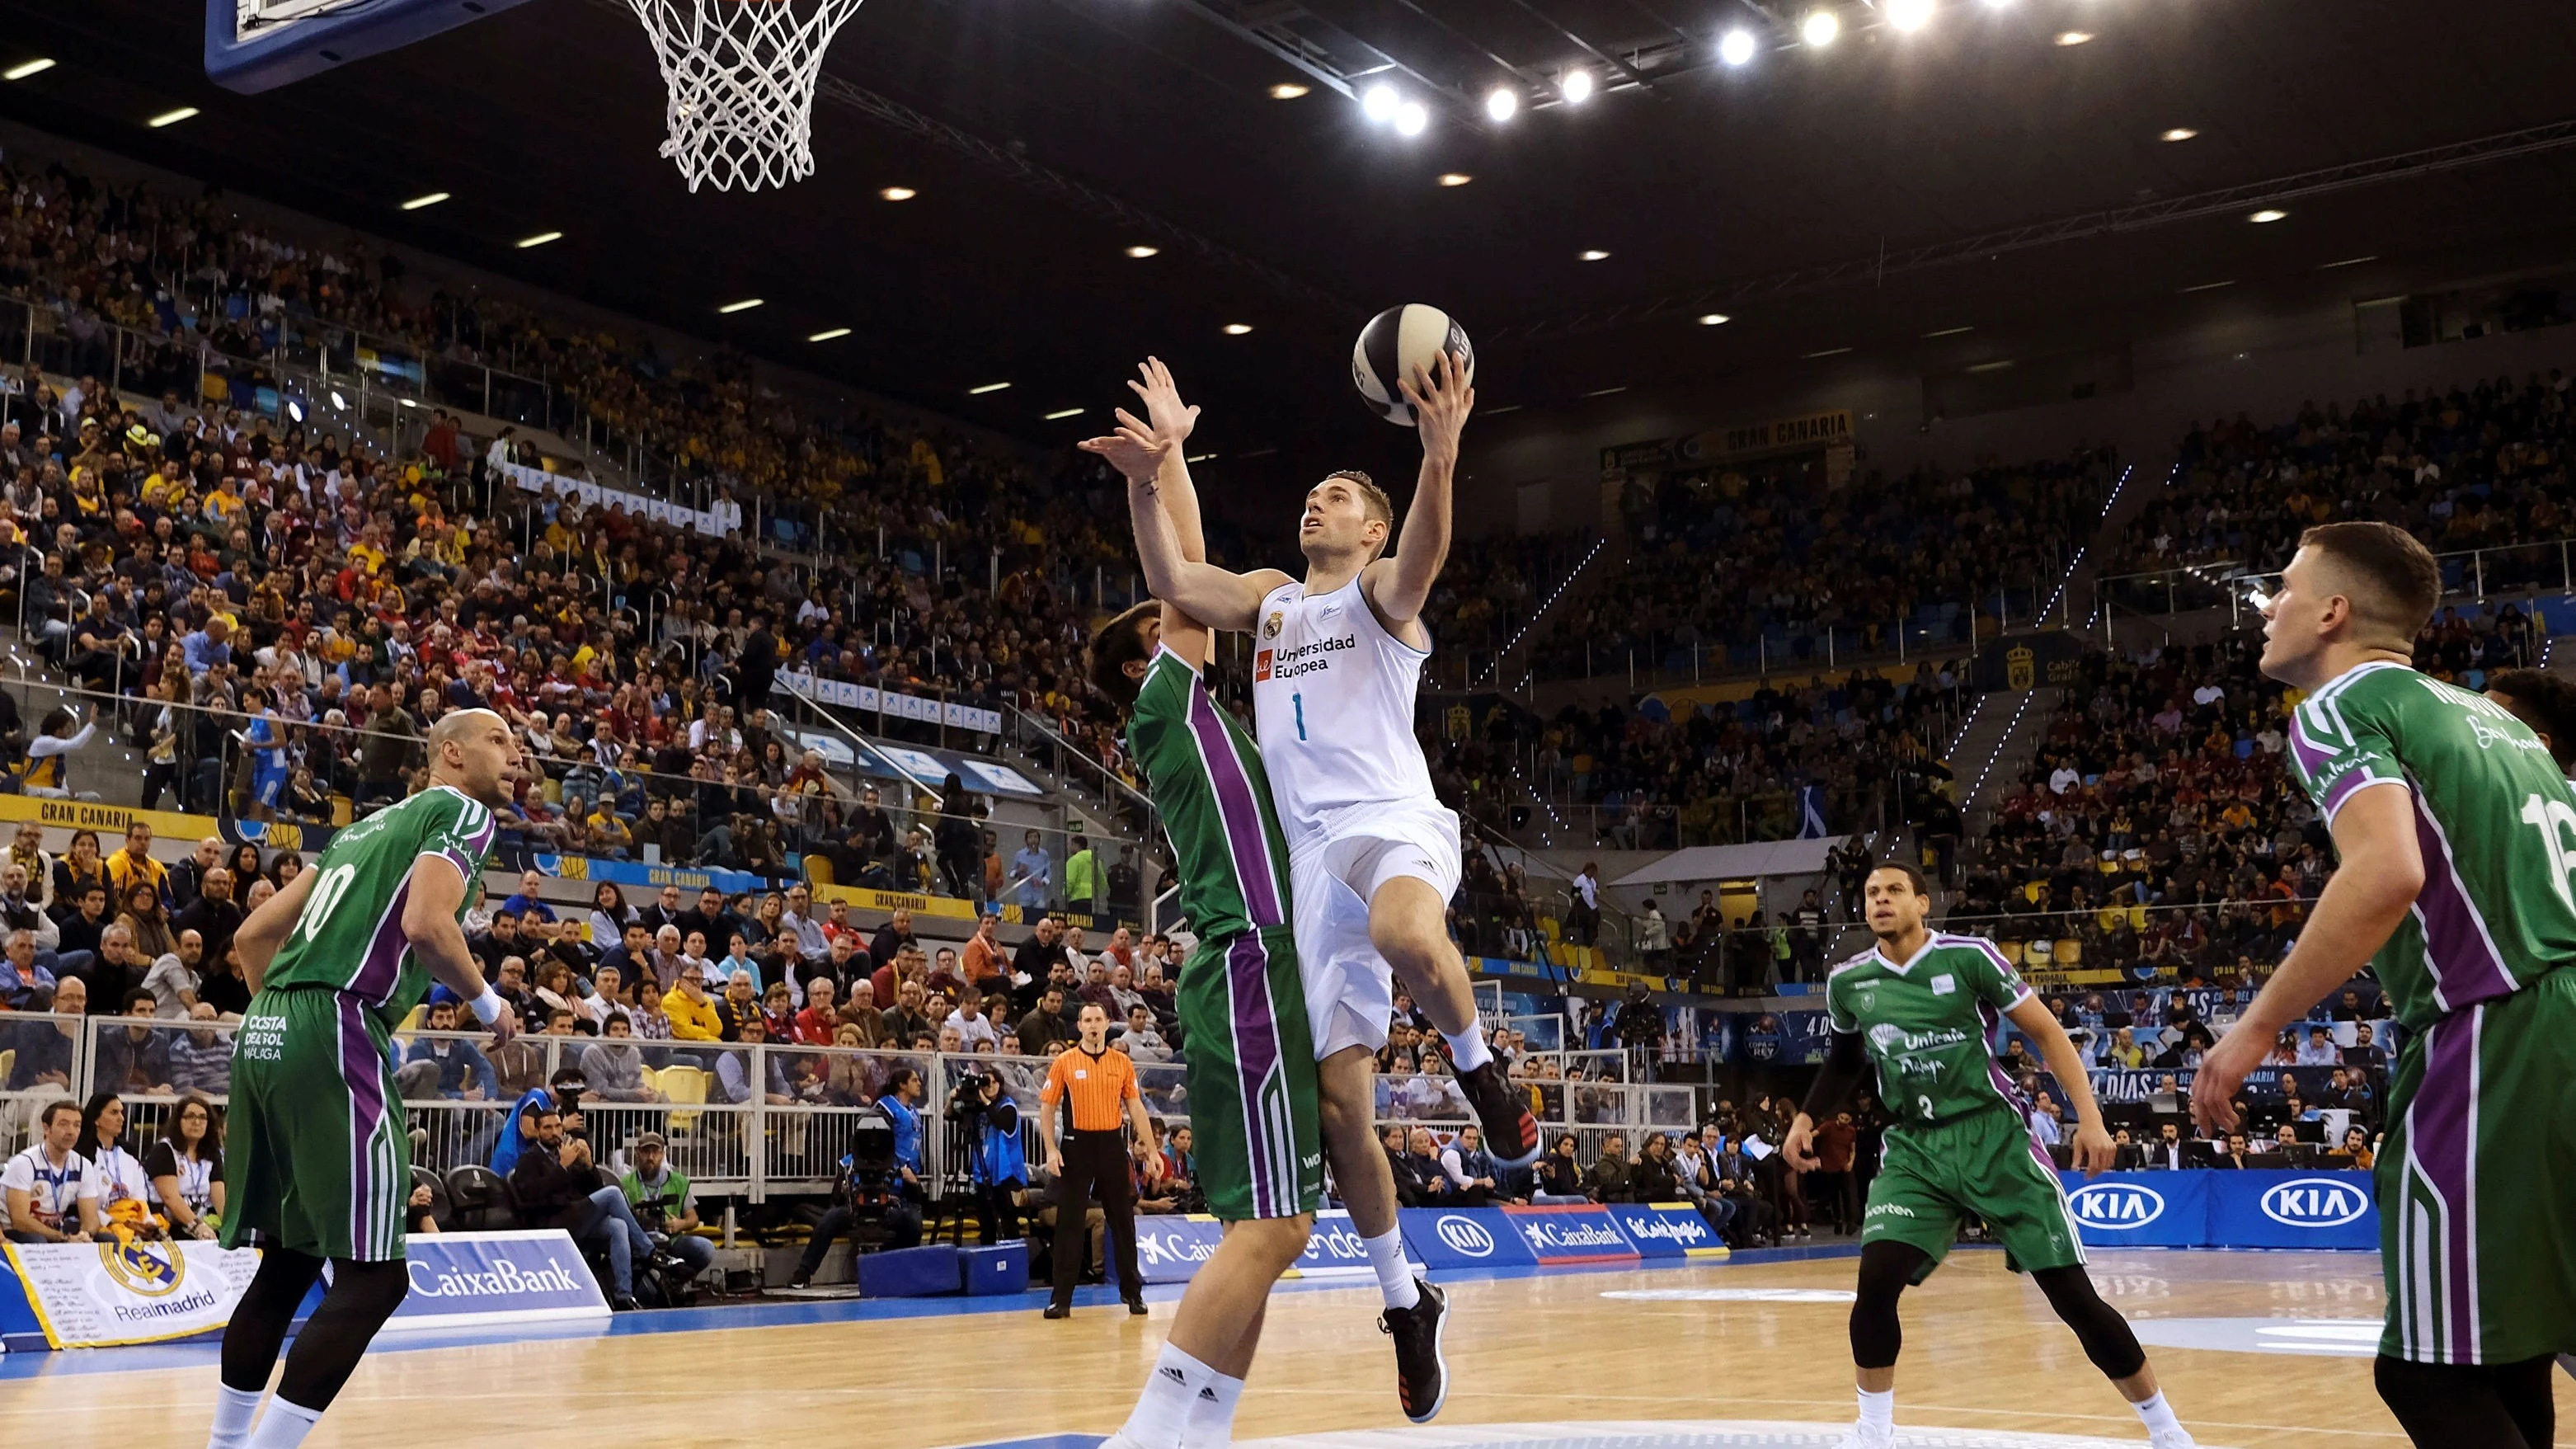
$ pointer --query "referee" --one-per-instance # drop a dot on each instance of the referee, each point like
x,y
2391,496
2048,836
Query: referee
x,y
1102,1084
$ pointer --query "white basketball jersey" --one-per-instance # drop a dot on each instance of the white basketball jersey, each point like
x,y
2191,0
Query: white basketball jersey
x,y
1332,702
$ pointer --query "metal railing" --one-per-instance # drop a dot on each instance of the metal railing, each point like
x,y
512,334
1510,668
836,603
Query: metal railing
x,y
2511,569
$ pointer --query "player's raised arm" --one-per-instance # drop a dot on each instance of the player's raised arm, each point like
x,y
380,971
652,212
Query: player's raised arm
x,y
430,905
266,929
2362,905
1171,423
1441,400
1216,597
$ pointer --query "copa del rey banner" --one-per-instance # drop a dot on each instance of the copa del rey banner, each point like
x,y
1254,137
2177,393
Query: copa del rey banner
x,y
91,1295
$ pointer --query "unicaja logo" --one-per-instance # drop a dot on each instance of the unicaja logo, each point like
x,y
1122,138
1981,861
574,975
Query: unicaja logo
x,y
1465,1236
2315,1202
2117,1206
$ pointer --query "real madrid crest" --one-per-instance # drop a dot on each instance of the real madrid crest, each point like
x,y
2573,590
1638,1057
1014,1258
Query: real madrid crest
x,y
1270,626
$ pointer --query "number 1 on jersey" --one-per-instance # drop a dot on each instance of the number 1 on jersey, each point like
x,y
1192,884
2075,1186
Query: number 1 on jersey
x,y
1299,700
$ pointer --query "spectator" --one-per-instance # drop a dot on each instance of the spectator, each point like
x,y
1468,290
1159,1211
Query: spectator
x,y
186,1169
1468,1168
660,1197
2319,1050
52,1192
1583,911
1084,886
1612,1172
124,1191
134,1058
612,1068
173,979
1141,1041
201,1058
1559,1176
561,1095
1033,871
553,1184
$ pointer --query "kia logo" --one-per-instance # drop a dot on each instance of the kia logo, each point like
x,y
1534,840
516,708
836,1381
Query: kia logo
x,y
2315,1202
2116,1206
1465,1236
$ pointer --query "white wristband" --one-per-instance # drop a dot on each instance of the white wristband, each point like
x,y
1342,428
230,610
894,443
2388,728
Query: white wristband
x,y
488,1006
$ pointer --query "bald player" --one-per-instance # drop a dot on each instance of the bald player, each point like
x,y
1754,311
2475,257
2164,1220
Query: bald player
x,y
319,1161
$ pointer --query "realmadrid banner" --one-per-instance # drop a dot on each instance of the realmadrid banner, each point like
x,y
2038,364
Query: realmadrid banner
x,y
1558,1234
91,1295
1464,1238
1667,1230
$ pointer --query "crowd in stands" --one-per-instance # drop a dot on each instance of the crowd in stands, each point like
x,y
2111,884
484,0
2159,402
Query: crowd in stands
x,y
2480,466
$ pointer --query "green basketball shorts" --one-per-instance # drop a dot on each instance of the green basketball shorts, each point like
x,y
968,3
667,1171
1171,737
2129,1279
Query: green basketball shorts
x,y
1250,1057
1983,1163
316,1158
2477,1183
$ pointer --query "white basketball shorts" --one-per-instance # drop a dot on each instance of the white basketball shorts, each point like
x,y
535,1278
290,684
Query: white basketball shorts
x,y
1350,992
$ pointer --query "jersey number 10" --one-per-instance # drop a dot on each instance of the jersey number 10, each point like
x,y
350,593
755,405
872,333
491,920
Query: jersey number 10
x,y
2555,820
328,889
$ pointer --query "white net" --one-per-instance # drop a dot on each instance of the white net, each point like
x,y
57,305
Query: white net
x,y
741,75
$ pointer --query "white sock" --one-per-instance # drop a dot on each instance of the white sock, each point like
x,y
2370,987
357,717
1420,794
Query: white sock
x,y
1211,1424
1878,1410
2156,1414
1394,1275
283,1426
234,1409
1164,1408
1467,1049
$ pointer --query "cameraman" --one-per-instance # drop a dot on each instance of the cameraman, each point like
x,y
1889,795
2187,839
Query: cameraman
x,y
888,1188
662,1200
986,1108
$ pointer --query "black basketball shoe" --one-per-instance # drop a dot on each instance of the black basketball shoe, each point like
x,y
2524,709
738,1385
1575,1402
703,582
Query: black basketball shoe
x,y
1421,1371
1502,1110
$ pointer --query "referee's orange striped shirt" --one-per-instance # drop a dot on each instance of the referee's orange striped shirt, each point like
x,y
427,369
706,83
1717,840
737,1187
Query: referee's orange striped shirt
x,y
1101,1086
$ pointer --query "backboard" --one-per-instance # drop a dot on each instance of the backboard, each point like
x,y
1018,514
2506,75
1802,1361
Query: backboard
x,y
258,45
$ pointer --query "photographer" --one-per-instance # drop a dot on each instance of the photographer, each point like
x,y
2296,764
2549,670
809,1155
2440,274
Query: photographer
x,y
880,1178
563,1096
983,1107
556,1186
663,1201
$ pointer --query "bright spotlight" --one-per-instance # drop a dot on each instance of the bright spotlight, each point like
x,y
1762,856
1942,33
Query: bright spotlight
x,y
1502,103
1909,14
1736,46
1714,319
2266,216
1819,28
1380,103
2178,133
1575,86
338,401
294,410
2073,37
1412,118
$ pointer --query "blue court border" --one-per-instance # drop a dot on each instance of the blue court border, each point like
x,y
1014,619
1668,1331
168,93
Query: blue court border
x,y
203,1352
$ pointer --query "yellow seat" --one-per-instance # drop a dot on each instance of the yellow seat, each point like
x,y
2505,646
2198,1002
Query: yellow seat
x,y
2030,892
682,1084
2070,952
818,869
8,1063
2012,951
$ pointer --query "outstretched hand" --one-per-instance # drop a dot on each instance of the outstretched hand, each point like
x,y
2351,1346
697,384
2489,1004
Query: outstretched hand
x,y
1441,397
1172,421
1133,450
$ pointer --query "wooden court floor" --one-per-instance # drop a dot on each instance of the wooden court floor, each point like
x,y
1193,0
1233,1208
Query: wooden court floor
x,y
1981,1353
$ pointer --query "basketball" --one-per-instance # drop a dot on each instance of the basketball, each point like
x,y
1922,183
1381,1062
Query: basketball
x,y
1395,342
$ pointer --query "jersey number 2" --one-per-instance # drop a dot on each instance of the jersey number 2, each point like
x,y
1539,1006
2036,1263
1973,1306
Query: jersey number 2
x,y
328,888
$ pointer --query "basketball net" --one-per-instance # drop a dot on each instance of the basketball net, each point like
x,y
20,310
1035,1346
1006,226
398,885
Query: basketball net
x,y
741,75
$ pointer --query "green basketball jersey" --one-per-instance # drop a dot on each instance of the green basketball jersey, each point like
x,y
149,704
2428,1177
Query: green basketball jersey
x,y
1204,773
1930,1024
2493,817
350,937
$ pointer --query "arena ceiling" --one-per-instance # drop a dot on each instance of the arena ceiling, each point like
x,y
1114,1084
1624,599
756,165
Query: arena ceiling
x,y
1976,174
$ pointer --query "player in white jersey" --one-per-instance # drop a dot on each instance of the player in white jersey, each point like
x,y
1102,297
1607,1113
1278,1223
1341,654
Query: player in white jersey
x,y
1373,855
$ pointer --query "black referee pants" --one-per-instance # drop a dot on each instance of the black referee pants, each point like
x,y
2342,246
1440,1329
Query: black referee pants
x,y
1095,1163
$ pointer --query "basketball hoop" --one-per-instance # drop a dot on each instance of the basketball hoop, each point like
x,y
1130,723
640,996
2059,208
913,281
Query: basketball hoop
x,y
741,75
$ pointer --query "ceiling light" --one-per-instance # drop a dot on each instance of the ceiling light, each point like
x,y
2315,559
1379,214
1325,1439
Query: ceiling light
x,y
745,305
407,402
1820,27
2267,215
171,118
1596,256
1909,14
1199,458
2178,133
988,387
1237,329
1997,4
1575,85
1502,103
294,410
1947,332
1991,366
540,239
2073,37
432,198
1412,118
338,401
1606,391
1455,178
1286,91
1736,46
2347,262
1825,352
26,68
2207,286
1060,414
828,333
1714,319
1380,102
1140,252
897,193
